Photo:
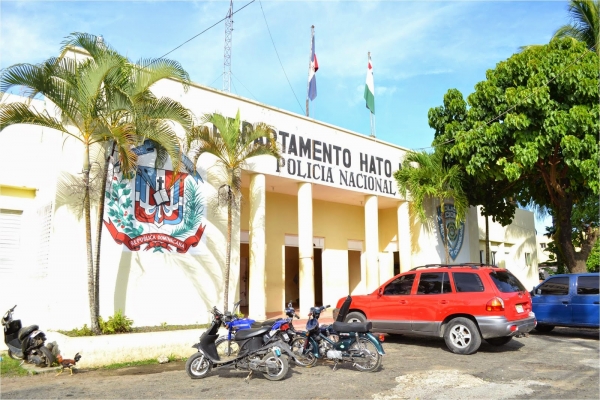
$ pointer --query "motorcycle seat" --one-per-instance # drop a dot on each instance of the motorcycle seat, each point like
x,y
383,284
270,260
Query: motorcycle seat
x,y
252,332
358,327
269,322
23,332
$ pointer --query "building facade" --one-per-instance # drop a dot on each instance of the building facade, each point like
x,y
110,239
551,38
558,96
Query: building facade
x,y
324,221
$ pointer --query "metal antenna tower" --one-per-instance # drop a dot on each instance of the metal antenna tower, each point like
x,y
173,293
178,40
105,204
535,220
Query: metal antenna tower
x,y
227,60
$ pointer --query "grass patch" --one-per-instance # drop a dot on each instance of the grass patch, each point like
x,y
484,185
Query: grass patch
x,y
140,329
150,361
130,364
10,367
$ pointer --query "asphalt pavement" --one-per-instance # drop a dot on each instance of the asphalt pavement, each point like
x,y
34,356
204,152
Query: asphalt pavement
x,y
562,364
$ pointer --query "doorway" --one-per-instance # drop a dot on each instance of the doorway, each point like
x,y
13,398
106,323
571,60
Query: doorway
x,y
244,277
354,270
292,270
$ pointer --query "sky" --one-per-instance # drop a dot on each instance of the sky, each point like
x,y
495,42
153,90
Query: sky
x,y
419,49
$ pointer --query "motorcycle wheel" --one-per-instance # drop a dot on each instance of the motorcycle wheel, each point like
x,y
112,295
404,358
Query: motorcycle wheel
x,y
303,360
48,357
198,366
278,373
11,355
371,360
225,349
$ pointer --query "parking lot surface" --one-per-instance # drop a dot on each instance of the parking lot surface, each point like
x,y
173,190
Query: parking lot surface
x,y
562,364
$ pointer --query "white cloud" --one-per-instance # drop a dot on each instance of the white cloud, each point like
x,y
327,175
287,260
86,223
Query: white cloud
x,y
22,41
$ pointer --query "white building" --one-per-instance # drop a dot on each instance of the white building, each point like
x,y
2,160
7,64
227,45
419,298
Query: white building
x,y
324,222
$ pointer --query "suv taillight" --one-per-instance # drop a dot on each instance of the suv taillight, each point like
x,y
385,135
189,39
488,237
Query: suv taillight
x,y
495,304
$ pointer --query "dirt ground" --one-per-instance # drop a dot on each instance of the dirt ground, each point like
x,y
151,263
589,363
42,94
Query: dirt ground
x,y
563,364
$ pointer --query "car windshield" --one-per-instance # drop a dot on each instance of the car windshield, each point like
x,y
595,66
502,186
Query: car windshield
x,y
506,282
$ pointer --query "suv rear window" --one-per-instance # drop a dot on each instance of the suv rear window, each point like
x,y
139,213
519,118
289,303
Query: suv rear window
x,y
507,282
587,285
434,283
467,282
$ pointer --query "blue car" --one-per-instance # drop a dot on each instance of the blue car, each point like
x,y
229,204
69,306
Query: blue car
x,y
567,300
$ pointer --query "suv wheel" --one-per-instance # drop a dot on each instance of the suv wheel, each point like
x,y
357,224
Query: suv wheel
x,y
462,336
356,317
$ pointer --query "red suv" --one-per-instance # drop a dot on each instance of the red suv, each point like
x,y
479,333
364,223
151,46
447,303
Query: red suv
x,y
462,303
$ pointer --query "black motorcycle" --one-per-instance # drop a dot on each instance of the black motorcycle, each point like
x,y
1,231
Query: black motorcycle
x,y
258,351
27,344
341,342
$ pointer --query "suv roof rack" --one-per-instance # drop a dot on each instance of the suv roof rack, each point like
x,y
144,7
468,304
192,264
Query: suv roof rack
x,y
457,265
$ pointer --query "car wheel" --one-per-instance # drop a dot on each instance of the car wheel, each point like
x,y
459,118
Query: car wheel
x,y
356,316
462,336
499,341
544,328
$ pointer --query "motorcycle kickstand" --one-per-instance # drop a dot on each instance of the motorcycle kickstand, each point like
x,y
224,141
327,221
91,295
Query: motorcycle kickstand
x,y
335,366
247,379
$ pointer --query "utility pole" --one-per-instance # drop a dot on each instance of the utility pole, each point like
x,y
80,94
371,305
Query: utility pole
x,y
227,60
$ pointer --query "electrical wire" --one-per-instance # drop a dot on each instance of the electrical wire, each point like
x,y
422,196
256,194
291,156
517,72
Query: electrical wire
x,y
210,27
254,97
516,105
276,52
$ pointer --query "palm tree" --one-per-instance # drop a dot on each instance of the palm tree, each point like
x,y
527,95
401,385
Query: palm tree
x,y
232,146
426,177
134,104
98,100
585,23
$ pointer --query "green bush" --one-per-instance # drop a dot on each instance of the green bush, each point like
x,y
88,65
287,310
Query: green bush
x,y
118,323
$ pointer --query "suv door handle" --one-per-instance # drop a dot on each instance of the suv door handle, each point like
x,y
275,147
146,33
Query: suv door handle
x,y
443,301
403,302
565,302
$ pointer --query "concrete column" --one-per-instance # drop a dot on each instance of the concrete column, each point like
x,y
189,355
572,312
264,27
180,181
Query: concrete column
x,y
305,247
404,243
257,285
372,242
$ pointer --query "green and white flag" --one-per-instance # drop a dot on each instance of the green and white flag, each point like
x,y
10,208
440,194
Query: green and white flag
x,y
370,88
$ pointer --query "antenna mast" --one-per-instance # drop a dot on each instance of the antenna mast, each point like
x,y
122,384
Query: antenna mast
x,y
227,60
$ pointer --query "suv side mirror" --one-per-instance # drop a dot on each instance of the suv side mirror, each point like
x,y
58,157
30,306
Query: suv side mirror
x,y
380,292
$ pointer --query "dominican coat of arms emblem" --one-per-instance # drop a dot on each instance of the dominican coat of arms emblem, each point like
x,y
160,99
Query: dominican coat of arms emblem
x,y
456,233
157,208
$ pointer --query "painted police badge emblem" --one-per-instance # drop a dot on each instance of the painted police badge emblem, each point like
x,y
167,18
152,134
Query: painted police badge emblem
x,y
156,208
456,233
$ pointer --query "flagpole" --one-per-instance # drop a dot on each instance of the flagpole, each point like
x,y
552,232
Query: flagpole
x,y
312,33
371,115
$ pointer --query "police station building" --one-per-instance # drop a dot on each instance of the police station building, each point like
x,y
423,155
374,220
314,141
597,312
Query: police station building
x,y
324,221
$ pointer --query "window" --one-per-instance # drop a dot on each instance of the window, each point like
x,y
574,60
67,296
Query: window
x,y
434,283
399,286
543,245
558,286
587,285
528,259
467,282
10,243
507,282
493,258
481,256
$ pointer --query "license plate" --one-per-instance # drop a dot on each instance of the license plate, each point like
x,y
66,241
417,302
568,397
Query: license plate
x,y
519,308
285,336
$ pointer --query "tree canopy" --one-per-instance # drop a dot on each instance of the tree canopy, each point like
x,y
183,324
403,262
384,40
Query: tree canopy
x,y
532,131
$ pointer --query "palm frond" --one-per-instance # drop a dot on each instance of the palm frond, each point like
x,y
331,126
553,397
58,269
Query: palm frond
x,y
19,113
